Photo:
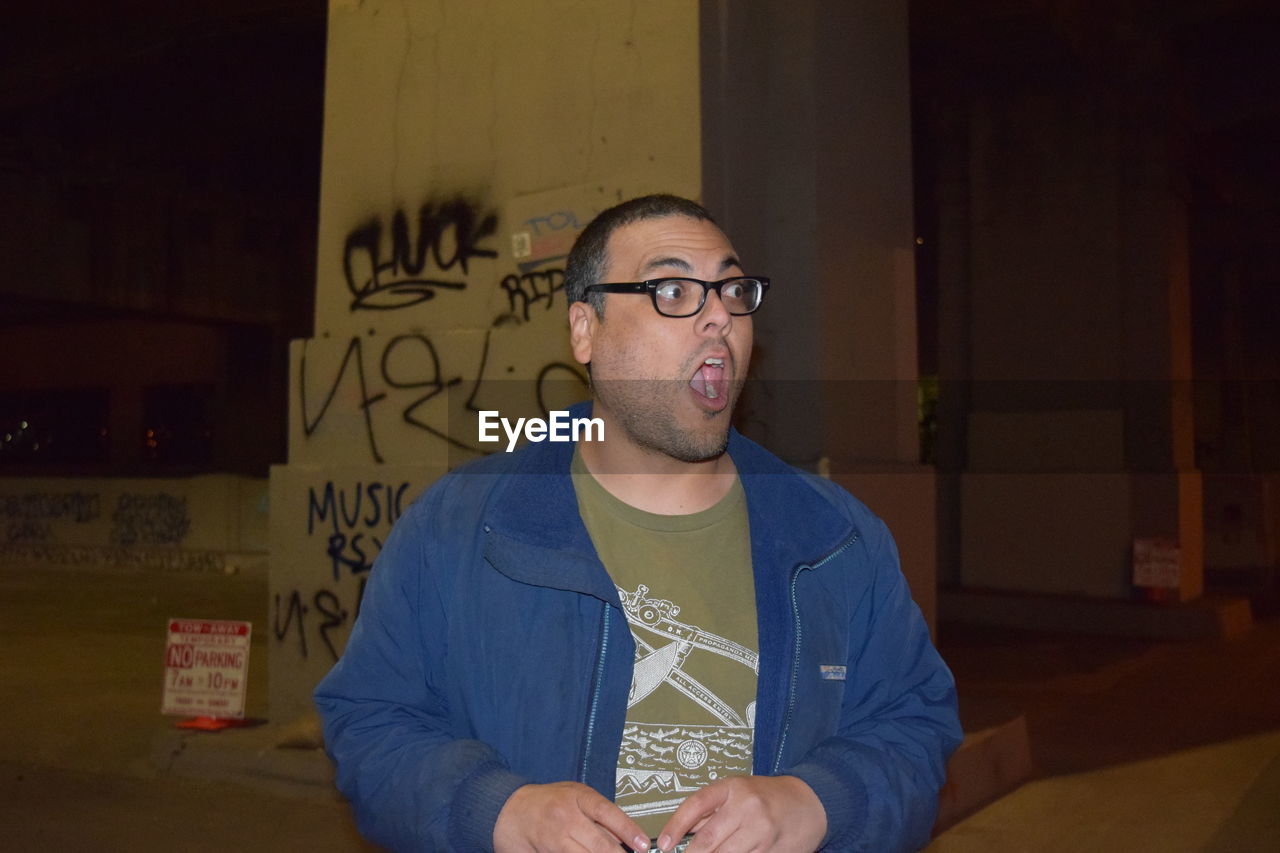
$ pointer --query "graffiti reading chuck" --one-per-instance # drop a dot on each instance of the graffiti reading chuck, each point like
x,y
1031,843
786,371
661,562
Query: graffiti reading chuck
x,y
448,236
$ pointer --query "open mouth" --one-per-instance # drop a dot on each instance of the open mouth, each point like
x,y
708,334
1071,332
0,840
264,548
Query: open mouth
x,y
710,384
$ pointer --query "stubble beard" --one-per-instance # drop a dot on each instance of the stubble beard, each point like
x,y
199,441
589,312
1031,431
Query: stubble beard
x,y
645,410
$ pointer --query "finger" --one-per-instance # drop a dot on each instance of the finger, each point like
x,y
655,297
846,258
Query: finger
x,y
586,837
721,836
615,821
693,811
575,844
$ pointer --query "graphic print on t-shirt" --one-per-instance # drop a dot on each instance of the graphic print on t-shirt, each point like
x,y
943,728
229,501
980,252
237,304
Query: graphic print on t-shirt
x,y
662,761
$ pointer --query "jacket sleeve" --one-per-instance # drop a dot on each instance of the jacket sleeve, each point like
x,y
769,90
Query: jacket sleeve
x,y
413,783
879,777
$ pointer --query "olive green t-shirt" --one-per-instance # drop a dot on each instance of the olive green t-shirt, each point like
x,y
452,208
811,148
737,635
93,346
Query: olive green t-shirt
x,y
686,587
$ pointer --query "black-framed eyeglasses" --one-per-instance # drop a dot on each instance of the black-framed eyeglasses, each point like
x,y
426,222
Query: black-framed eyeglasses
x,y
684,297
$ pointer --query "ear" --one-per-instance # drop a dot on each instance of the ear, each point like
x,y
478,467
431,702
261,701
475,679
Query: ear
x,y
582,329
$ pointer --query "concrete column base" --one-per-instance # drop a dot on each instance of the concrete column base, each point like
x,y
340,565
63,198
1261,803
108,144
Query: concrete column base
x,y
1205,618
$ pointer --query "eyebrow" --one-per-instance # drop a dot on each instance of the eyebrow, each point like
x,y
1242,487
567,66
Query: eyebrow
x,y
683,265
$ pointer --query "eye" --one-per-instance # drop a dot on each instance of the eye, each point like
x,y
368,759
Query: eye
x,y
734,290
672,290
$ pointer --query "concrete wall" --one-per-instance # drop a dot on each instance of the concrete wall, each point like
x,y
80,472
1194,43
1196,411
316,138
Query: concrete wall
x,y
125,358
74,354
807,146
465,145
906,499
113,239
1242,523
1064,320
206,523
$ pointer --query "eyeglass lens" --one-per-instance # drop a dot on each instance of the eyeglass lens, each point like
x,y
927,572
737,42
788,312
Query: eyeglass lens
x,y
680,297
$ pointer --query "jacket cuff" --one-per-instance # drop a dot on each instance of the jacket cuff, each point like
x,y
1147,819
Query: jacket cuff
x,y
845,803
476,804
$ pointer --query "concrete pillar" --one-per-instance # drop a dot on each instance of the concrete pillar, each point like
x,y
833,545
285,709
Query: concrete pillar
x,y
1077,419
465,145
952,249
807,152
1156,263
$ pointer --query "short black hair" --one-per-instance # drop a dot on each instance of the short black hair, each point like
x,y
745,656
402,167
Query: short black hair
x,y
589,255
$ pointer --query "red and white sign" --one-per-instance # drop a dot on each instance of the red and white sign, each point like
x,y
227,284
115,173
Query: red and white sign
x,y
1157,563
206,668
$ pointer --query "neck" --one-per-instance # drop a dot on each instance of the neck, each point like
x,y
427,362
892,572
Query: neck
x,y
654,482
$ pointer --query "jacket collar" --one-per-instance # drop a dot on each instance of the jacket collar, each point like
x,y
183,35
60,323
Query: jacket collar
x,y
536,535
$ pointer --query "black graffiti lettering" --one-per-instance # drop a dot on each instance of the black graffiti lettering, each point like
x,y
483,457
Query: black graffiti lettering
x,y
335,617
475,386
430,380
346,546
424,372
149,559
291,611
320,510
361,562
357,562
295,609
375,507
28,531
527,289
354,353
336,552
467,231
350,518
155,519
80,507
545,378
410,364
328,505
449,236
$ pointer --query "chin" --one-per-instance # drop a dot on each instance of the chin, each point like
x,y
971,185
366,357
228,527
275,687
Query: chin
x,y
700,445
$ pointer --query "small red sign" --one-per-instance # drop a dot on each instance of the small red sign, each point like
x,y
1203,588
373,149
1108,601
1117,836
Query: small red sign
x,y
206,668
1157,563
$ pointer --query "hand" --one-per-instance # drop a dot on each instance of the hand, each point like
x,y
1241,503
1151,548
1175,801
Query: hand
x,y
564,816
749,813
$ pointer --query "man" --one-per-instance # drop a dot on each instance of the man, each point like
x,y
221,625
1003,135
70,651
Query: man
x,y
663,632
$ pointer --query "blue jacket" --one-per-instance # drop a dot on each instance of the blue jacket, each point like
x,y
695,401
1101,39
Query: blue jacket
x,y
491,650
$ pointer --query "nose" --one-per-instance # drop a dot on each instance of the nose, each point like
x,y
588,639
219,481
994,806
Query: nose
x,y
714,318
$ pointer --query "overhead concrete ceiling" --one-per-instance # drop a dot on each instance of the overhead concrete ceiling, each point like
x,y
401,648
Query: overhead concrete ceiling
x,y
209,91
229,93
1225,52
232,90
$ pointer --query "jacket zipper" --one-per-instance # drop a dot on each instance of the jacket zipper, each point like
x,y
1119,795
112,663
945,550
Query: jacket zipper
x,y
595,693
795,657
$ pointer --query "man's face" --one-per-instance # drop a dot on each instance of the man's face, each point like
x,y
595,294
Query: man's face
x,y
668,383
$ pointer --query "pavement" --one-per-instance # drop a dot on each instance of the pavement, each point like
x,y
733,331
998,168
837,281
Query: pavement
x,y
86,759
1083,742
1135,744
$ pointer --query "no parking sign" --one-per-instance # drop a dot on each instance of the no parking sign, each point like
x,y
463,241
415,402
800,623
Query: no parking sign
x,y
206,667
